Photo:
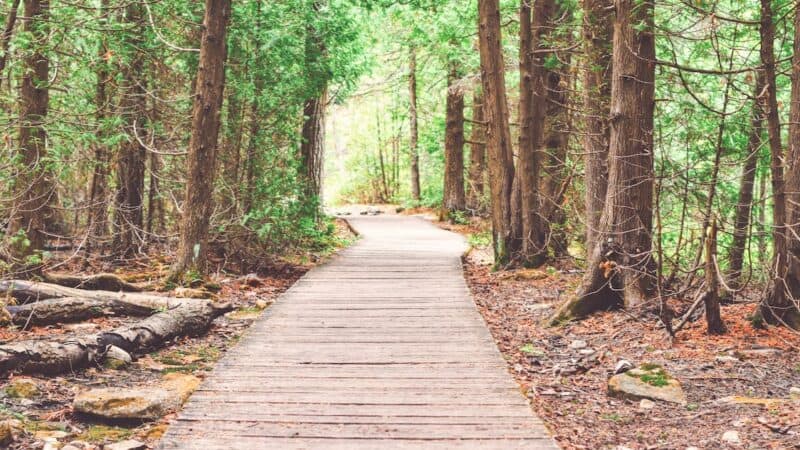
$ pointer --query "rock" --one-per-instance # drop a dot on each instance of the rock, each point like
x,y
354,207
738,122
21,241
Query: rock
x,y
261,304
727,359
251,279
46,435
731,436
10,429
692,448
81,327
138,403
117,358
646,404
20,387
623,366
129,444
752,401
794,393
578,344
586,351
652,383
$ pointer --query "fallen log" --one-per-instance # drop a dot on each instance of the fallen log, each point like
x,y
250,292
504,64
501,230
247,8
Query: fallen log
x,y
100,281
33,291
188,319
71,309
50,358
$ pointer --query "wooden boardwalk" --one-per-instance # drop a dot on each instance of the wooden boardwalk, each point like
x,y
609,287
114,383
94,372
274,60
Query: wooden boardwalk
x,y
381,348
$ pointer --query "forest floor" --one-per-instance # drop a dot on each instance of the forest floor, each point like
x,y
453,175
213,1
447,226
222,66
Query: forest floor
x,y
737,385
46,411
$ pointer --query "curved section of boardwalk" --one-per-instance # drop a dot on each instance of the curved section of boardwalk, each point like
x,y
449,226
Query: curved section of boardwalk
x,y
380,348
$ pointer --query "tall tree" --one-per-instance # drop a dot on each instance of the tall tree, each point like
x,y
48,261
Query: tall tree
x,y
129,197
454,198
33,184
532,107
597,33
5,37
782,305
498,135
621,267
412,124
477,153
312,148
98,194
744,205
210,85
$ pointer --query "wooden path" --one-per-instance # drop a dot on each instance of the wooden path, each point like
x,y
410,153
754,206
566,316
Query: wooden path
x,y
381,348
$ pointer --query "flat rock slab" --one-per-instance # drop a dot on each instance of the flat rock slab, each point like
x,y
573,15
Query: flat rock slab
x,y
382,348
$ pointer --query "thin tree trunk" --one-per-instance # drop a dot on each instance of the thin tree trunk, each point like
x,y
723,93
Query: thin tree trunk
x,y
203,143
498,134
782,305
454,196
744,206
598,29
5,38
412,117
714,322
34,185
97,228
129,214
621,268
477,155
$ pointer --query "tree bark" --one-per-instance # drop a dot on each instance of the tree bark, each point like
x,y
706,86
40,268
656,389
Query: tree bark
x,y
498,135
598,30
312,149
532,107
744,205
34,189
413,130
477,154
782,305
5,38
129,211
454,196
203,143
554,179
714,322
621,268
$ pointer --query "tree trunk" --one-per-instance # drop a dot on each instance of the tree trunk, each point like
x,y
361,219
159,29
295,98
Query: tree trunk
x,y
714,322
557,124
621,268
312,149
412,117
477,154
454,196
532,106
597,32
197,206
5,38
498,134
782,305
34,188
744,206
129,211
